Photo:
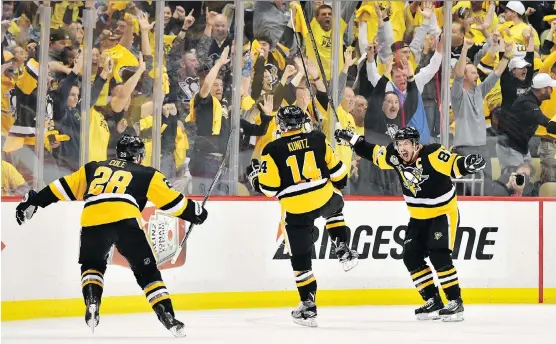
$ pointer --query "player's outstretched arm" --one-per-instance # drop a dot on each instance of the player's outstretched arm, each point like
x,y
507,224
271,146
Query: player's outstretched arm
x,y
69,188
361,147
369,151
454,165
167,199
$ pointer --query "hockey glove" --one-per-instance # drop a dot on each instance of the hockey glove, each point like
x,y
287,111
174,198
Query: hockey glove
x,y
252,172
25,209
474,163
194,213
346,137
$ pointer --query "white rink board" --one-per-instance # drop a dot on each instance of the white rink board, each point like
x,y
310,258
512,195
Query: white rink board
x,y
549,231
234,250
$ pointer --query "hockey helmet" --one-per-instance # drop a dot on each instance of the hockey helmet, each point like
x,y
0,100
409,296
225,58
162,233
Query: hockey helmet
x,y
130,148
407,133
290,118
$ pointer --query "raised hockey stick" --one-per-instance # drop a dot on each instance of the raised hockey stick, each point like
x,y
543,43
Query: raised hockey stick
x,y
175,256
321,68
318,115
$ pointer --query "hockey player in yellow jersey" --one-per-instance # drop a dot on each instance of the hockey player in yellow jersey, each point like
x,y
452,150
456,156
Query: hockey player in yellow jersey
x,y
425,171
115,192
303,172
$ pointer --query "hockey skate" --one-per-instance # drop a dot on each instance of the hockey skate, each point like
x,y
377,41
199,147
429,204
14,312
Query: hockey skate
x,y
430,310
305,314
348,258
92,317
453,312
167,319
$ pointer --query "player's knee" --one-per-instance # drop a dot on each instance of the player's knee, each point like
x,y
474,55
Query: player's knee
x,y
301,262
413,259
440,258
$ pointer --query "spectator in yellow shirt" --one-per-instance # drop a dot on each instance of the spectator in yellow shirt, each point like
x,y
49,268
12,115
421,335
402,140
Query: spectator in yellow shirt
x,y
13,183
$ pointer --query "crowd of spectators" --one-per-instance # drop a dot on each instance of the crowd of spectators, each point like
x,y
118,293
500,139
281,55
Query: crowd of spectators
x,y
502,67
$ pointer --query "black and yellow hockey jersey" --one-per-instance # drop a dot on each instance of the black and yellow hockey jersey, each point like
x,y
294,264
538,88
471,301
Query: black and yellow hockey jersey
x,y
428,189
114,190
300,169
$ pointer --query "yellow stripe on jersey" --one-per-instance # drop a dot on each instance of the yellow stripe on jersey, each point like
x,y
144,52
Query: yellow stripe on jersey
x,y
308,201
109,211
164,197
379,158
423,213
71,187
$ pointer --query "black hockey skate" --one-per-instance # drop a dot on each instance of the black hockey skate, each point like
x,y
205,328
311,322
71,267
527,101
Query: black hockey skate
x,y
167,319
453,312
92,318
305,314
348,258
429,311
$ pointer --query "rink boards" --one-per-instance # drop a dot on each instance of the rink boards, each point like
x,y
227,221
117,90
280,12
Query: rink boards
x,y
505,252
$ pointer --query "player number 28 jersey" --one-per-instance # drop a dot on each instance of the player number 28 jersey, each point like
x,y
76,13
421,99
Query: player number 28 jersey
x,y
299,169
114,190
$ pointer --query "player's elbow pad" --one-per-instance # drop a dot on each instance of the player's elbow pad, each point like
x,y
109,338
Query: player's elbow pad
x,y
340,184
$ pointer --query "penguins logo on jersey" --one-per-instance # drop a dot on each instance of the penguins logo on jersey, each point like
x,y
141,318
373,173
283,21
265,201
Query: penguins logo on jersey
x,y
412,177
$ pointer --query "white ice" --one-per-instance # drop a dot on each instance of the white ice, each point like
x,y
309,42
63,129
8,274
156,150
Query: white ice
x,y
531,324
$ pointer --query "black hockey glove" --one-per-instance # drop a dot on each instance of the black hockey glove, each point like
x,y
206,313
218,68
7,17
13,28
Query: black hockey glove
x,y
195,213
474,163
346,137
252,172
25,209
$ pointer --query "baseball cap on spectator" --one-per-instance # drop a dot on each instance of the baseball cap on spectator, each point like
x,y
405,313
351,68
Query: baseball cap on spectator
x,y
516,6
517,62
59,35
543,80
399,45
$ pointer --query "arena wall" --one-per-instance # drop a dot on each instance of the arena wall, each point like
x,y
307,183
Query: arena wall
x,y
505,252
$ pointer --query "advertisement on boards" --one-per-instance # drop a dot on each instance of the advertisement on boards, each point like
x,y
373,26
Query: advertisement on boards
x,y
164,233
487,245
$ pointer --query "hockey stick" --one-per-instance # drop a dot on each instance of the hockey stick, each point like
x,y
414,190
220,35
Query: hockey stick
x,y
318,115
209,192
319,62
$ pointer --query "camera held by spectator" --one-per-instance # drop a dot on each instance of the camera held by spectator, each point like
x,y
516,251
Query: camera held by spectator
x,y
517,183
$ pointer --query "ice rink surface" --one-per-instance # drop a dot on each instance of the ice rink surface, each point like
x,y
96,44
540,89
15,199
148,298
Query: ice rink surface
x,y
530,324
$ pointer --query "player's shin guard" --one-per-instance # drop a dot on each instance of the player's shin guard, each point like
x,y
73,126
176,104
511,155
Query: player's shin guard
x,y
338,232
159,299
92,284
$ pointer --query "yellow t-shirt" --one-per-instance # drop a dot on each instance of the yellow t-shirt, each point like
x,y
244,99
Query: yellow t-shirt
x,y
323,40
345,153
99,136
11,178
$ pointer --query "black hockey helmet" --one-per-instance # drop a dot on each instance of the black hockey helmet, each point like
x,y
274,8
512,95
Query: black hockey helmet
x,y
290,118
407,133
130,148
